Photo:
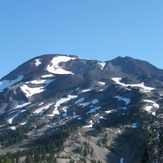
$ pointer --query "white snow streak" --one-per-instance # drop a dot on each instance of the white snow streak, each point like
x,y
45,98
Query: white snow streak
x,y
31,91
111,111
86,90
42,109
39,81
7,83
22,105
13,111
153,102
47,76
141,85
11,119
59,102
102,83
148,108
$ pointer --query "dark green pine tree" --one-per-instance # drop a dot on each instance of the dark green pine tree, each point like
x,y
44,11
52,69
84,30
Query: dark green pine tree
x,y
28,159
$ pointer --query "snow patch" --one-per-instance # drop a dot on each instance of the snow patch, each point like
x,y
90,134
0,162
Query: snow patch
x,y
134,125
22,105
39,81
13,111
11,119
102,83
86,90
148,108
41,103
13,128
88,126
77,89
37,62
54,67
7,83
2,112
23,123
121,160
153,102
111,111
102,65
31,91
65,110
74,113
79,100
47,76
59,102
103,118
95,101
141,85
93,110
126,100
42,109
79,118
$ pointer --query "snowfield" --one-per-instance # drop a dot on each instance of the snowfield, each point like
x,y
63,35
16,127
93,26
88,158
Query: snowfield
x,y
153,102
54,67
141,85
22,105
42,109
31,91
59,102
7,83
150,107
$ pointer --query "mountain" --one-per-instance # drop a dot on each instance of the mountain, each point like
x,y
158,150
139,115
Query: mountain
x,y
62,108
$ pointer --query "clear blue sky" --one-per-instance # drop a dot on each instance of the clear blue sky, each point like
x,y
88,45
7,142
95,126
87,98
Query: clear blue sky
x,y
91,29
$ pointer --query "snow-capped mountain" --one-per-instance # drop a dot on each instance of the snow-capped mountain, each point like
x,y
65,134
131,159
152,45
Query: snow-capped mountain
x,y
50,92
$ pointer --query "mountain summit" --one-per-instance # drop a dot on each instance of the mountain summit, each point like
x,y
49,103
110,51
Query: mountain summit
x,y
82,110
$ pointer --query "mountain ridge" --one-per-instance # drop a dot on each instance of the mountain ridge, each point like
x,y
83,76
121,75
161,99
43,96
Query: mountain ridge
x,y
105,104
115,61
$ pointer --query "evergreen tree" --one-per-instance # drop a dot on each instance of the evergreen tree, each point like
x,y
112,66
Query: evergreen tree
x,y
28,159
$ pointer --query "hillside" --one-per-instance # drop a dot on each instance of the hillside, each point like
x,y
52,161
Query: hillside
x,y
61,108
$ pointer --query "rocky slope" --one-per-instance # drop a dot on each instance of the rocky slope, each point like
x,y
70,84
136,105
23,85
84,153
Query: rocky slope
x,y
105,111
